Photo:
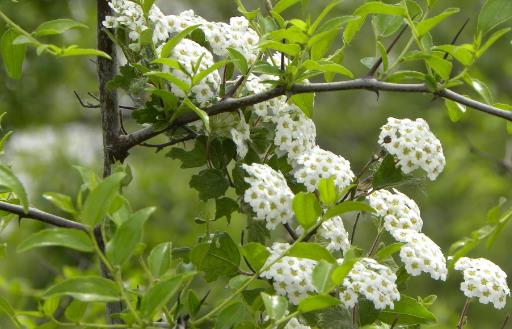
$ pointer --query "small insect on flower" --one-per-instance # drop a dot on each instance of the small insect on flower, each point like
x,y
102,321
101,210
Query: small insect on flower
x,y
484,280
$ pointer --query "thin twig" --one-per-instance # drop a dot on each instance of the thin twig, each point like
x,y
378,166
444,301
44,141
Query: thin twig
x,y
395,321
505,322
462,321
354,228
456,37
375,243
160,147
378,63
290,231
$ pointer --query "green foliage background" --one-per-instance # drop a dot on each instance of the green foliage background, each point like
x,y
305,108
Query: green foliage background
x,y
347,123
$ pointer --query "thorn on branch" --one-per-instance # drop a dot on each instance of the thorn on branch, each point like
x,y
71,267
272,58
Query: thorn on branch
x,y
86,105
457,35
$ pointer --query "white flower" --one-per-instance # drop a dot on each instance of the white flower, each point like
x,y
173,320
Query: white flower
x,y
255,85
268,195
291,276
295,132
241,134
372,280
333,231
295,324
315,164
421,254
414,145
483,279
396,209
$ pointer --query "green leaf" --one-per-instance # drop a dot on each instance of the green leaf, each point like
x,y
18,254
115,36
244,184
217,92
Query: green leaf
x,y
321,43
325,66
341,271
282,5
352,29
327,191
75,311
160,294
6,308
73,51
481,88
170,62
409,311
127,236
491,40
210,183
387,174
322,277
230,315
146,6
347,206
455,110
169,45
197,157
375,7
160,259
330,6
441,66
289,49
58,237
425,26
384,55
171,78
219,257
61,201
306,209
388,251
204,73
494,13
200,113
98,202
400,76
275,306
238,60
305,102
387,25
12,55
464,54
318,302
86,289
57,26
12,183
256,254
310,250
224,207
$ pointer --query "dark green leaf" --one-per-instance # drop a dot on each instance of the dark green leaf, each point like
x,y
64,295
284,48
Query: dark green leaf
x,y
86,289
160,259
230,315
197,157
224,207
494,13
387,174
210,183
75,311
238,60
6,308
409,311
58,237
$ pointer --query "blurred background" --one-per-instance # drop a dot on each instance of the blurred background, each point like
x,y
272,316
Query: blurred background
x,y
52,132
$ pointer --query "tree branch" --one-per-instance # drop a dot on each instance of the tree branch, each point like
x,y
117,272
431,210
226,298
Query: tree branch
x,y
42,216
233,104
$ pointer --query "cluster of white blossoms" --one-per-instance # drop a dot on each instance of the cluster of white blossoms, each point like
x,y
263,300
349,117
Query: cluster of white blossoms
x,y
129,15
483,279
372,280
256,84
187,53
421,254
240,135
334,232
295,324
414,145
313,165
291,276
396,209
237,34
295,132
268,195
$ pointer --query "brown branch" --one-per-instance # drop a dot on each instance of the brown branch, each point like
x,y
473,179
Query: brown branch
x,y
233,104
160,147
42,216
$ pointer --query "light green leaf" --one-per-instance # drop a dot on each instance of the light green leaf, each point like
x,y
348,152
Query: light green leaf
x,y
256,254
341,271
169,45
289,49
306,208
327,191
146,6
310,250
375,7
275,306
230,316
200,113
160,294
61,201
347,206
282,5
387,25
6,308
400,76
455,110
98,202
428,24
204,73
238,60
491,40
160,259
83,52
388,251
464,54
86,289
11,182
127,236
318,302
57,26
494,13
321,43
409,311
322,277
330,6
171,78
326,66
170,62
305,102
58,237
441,66
383,55
12,55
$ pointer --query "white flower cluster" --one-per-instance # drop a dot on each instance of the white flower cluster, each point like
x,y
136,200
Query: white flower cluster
x,y
291,276
483,279
315,164
256,84
187,53
414,145
396,209
237,34
241,134
295,132
421,254
295,324
268,195
372,280
334,231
